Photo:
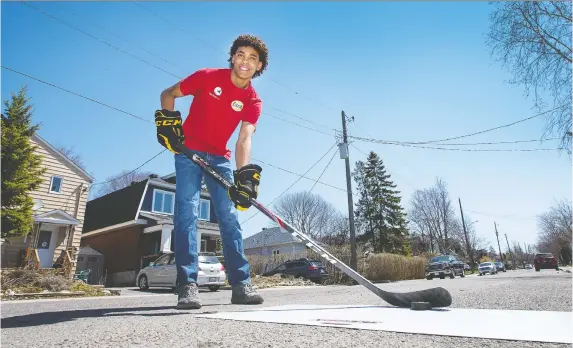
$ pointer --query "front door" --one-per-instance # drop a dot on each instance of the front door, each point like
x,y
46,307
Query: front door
x,y
46,241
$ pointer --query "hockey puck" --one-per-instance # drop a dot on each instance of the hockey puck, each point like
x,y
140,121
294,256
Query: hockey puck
x,y
420,306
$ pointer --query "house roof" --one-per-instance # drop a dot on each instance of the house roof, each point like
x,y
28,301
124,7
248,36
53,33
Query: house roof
x,y
114,208
58,153
124,205
56,216
268,236
86,250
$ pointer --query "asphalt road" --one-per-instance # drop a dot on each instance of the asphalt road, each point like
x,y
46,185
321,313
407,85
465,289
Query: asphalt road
x,y
149,319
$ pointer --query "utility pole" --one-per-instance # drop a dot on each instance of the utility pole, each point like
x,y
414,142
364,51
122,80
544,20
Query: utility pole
x,y
497,236
470,252
344,153
509,250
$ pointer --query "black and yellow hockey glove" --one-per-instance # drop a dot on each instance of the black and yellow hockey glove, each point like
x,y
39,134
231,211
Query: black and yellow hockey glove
x,y
169,130
246,186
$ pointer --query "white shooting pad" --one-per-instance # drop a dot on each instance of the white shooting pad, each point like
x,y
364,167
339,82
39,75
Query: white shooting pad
x,y
517,325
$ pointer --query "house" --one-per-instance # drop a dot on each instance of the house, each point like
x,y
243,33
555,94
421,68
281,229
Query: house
x,y
272,241
59,206
132,226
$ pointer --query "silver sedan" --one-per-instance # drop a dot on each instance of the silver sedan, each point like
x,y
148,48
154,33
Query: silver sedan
x,y
163,273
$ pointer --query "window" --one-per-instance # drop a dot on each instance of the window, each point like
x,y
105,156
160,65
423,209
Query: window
x,y
163,260
276,252
56,184
204,209
163,202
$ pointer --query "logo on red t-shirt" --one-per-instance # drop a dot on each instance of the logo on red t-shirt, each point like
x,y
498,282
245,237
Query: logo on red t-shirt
x,y
237,105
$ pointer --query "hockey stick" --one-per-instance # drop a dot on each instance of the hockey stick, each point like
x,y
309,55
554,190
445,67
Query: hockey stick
x,y
437,297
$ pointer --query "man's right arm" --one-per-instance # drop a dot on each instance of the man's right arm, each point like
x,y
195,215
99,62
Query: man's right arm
x,y
191,85
168,97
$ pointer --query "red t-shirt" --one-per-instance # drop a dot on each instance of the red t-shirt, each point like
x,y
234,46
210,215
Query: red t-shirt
x,y
218,107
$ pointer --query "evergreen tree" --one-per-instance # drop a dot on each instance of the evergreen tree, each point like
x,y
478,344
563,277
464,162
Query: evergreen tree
x,y
21,167
379,213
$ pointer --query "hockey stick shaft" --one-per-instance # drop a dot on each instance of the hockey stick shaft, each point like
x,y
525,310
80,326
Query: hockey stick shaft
x,y
437,297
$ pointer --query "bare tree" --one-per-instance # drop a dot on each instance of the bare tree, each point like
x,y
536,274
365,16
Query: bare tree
x,y
432,213
310,214
533,40
338,230
554,231
71,154
119,181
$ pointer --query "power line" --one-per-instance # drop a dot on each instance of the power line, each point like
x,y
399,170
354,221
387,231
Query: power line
x,y
297,174
133,171
498,142
474,150
98,39
458,137
119,37
510,217
296,124
323,171
76,94
307,120
294,183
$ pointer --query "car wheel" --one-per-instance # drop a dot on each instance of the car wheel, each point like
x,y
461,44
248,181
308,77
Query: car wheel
x,y
463,274
429,277
214,287
143,283
536,269
453,275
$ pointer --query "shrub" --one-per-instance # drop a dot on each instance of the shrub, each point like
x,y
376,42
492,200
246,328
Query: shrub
x,y
393,267
375,267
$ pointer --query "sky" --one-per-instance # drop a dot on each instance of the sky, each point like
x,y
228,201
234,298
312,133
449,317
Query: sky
x,y
407,71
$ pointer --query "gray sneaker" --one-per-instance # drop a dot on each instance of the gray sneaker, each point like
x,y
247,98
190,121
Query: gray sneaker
x,y
188,297
245,294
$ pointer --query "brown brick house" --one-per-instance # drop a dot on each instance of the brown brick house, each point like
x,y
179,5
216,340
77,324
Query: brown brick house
x,y
133,226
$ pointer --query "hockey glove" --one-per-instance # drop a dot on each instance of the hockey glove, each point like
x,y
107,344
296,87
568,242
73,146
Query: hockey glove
x,y
246,186
169,130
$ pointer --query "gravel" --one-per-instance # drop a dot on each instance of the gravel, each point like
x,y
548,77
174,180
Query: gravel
x,y
151,320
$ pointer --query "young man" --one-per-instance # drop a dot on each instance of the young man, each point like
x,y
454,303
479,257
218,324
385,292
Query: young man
x,y
222,98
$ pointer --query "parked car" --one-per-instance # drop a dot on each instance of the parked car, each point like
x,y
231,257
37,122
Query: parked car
x,y
487,267
444,265
528,266
162,273
306,268
500,266
545,261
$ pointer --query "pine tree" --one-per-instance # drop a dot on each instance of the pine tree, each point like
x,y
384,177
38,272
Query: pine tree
x,y
379,212
21,167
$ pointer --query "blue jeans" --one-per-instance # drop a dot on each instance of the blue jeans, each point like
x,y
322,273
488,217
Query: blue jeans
x,y
187,195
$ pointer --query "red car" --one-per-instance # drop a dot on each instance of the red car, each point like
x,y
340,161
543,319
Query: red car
x,y
545,261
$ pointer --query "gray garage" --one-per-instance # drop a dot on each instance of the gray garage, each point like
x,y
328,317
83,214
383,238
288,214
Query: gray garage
x,y
89,258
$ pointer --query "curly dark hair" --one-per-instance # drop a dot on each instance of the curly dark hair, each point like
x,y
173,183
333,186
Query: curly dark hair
x,y
254,42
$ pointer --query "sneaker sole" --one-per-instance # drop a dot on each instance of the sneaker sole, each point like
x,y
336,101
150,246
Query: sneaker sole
x,y
252,302
188,306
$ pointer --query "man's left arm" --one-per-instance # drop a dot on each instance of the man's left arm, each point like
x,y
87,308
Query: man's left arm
x,y
244,143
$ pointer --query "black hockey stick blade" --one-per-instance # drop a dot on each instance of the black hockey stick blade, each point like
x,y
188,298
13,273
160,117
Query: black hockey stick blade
x,y
437,297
